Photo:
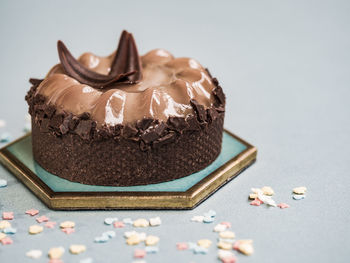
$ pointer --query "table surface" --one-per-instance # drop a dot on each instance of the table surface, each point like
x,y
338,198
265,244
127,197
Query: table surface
x,y
284,66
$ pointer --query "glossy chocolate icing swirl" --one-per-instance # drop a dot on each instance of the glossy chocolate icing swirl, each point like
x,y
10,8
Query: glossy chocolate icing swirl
x,y
113,90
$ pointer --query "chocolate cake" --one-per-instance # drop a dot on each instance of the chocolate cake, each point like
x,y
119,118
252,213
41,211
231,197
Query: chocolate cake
x,y
125,119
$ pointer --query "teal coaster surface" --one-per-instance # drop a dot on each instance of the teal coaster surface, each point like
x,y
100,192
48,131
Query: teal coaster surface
x,y
22,150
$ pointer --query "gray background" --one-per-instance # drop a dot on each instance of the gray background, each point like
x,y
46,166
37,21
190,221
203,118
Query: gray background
x,y
284,66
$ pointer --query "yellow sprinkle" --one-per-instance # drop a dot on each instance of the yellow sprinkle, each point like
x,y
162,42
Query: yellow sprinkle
x,y
4,224
141,222
56,252
133,240
204,243
77,249
246,247
267,190
67,224
224,245
35,229
227,235
299,190
151,240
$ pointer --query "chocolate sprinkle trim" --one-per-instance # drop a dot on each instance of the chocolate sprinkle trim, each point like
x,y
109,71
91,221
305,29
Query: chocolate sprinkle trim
x,y
125,68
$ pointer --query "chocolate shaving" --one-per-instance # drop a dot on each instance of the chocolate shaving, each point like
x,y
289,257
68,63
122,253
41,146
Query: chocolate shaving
x,y
125,68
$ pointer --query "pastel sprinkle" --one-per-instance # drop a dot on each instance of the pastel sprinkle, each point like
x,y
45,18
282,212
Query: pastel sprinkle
x,y
110,220
139,253
4,224
283,205
182,246
2,235
226,240
200,250
151,240
204,243
118,224
155,221
224,245
300,190
10,230
67,224
298,197
41,219
227,224
50,224
7,215
34,253
55,261
151,249
133,240
244,246
101,239
227,234
256,202
35,229
3,183
141,222
267,190
208,219
220,227
6,241
32,212
192,245
56,252
230,259
198,219
77,249
224,254
68,230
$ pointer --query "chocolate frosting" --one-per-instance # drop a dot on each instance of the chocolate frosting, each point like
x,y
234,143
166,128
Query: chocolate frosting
x,y
168,88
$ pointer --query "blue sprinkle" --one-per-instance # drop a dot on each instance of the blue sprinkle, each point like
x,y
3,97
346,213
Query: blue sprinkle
x,y
152,250
101,239
5,137
109,234
298,197
109,220
208,219
210,213
200,250
86,260
10,230
3,183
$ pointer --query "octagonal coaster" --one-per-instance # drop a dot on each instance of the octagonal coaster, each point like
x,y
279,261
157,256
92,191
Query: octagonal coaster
x,y
183,193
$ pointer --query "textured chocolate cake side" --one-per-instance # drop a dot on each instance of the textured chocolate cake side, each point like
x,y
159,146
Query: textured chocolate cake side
x,y
73,148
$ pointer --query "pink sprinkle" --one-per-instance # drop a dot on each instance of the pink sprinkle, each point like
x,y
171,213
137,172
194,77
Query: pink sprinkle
x,y
55,261
32,212
236,245
6,241
118,224
139,253
50,224
182,246
256,202
229,259
41,219
68,230
283,205
7,215
227,224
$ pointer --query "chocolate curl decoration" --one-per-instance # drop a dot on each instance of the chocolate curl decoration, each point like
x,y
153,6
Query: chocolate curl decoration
x,y
125,67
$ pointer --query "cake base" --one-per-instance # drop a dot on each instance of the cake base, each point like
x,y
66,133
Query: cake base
x,y
184,193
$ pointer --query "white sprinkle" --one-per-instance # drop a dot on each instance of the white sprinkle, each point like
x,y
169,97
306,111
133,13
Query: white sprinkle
x,y
34,253
155,221
128,221
220,228
110,220
224,254
197,219
3,183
